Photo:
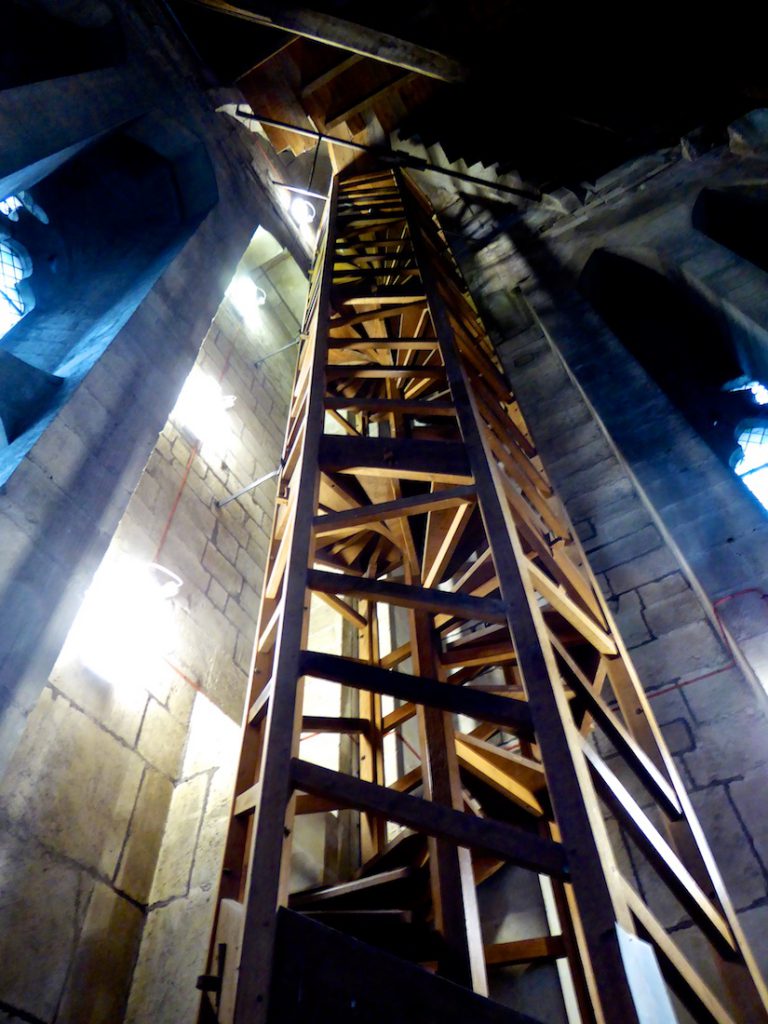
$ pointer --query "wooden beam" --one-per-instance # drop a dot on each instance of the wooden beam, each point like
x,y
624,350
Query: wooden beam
x,y
513,844
395,457
393,509
346,35
363,102
330,723
328,76
545,949
406,596
485,707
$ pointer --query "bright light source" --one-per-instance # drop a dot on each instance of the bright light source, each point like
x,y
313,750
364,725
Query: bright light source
x,y
759,391
10,207
302,211
246,296
201,410
125,625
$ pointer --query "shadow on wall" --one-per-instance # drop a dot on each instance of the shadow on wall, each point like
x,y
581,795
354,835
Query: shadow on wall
x,y
83,36
681,341
736,217
118,213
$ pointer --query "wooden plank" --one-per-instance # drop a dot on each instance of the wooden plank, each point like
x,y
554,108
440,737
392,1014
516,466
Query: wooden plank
x,y
563,605
484,707
387,344
326,524
328,76
492,771
398,717
306,804
385,406
405,596
395,457
525,770
374,314
346,35
445,528
544,949
374,371
522,848
325,894
333,724
345,610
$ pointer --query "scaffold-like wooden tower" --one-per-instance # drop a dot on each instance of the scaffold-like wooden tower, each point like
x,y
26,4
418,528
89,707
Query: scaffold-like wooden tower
x,y
413,504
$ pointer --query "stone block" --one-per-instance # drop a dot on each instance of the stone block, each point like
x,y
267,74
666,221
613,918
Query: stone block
x,y
661,590
728,747
679,610
617,522
224,542
173,953
213,833
244,652
239,618
118,709
139,857
625,550
250,601
222,570
181,699
644,569
722,696
99,982
42,903
217,594
685,652
182,560
73,783
745,615
741,870
748,136
628,612
748,796
161,740
213,739
755,924
177,852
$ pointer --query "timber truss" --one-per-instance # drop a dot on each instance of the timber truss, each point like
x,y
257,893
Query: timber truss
x,y
411,493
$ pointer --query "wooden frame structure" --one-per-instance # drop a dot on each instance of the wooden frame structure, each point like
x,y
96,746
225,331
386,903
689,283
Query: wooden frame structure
x,y
410,481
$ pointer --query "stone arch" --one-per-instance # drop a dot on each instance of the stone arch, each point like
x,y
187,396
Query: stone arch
x,y
118,213
680,339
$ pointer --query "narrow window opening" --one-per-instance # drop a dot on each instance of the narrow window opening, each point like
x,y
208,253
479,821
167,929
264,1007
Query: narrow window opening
x,y
15,265
752,464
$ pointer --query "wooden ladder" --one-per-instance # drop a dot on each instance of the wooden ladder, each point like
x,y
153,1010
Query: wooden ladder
x,y
412,494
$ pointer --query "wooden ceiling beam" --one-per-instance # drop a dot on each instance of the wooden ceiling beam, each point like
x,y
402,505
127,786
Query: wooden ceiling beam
x,y
346,35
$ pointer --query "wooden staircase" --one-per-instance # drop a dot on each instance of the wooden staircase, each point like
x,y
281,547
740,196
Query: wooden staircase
x,y
413,504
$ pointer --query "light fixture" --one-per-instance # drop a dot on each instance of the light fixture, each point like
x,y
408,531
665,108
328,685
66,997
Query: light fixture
x,y
302,211
125,626
201,412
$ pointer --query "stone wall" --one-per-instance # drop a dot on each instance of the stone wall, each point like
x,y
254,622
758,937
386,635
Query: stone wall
x,y
114,806
677,542
60,508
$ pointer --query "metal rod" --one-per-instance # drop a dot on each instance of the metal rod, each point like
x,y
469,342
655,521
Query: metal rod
x,y
301,191
398,157
277,351
250,487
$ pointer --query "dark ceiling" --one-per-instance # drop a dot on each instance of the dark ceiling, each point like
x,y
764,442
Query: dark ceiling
x,y
559,95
